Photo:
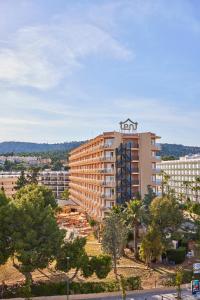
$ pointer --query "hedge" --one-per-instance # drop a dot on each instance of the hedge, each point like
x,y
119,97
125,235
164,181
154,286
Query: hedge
x,y
171,281
176,255
60,288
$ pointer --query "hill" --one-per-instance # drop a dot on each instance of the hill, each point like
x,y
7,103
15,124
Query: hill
x,y
19,147
178,150
24,147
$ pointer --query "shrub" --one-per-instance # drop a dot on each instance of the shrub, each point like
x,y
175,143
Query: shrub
x,y
171,280
60,288
176,255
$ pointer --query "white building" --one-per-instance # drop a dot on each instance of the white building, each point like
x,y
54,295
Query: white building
x,y
183,173
57,181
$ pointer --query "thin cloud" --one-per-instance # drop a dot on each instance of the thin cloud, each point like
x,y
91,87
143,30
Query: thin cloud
x,y
41,56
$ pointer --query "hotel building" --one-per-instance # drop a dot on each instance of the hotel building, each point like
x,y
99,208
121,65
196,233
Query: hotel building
x,y
183,173
113,168
8,182
57,181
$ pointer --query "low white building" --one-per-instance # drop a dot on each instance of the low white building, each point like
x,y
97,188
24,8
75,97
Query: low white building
x,y
57,181
183,174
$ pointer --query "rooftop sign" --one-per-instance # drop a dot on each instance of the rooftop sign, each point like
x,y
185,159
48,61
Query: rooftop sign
x,y
128,126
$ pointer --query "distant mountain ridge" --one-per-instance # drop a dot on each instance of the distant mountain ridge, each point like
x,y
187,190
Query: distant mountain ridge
x,y
19,147
178,150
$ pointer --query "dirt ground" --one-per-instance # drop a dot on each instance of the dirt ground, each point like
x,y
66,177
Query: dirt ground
x,y
151,278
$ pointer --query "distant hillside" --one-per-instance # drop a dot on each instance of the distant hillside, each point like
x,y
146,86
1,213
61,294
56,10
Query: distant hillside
x,y
19,147
178,150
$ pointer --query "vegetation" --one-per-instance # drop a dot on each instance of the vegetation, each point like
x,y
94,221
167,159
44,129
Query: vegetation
x,y
36,238
134,213
24,147
114,238
60,288
151,247
176,255
178,150
31,238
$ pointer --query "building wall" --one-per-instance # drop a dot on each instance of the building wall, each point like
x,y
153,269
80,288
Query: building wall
x,y
8,182
147,160
57,181
93,167
187,169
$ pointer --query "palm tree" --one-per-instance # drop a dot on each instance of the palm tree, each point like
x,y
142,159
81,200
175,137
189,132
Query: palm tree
x,y
164,182
134,216
187,185
196,187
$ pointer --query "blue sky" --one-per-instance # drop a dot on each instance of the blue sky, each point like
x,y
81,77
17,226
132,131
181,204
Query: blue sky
x,y
72,69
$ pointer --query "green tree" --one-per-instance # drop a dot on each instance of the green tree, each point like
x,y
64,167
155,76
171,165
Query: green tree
x,y
166,215
134,215
8,165
21,181
179,280
6,217
72,255
148,198
39,191
32,176
151,246
114,237
164,183
196,188
65,194
36,236
57,166
187,186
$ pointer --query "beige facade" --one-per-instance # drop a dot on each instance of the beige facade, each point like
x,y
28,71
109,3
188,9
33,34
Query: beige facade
x,y
57,181
8,182
111,169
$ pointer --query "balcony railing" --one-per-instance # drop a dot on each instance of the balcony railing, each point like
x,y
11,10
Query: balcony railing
x,y
109,183
134,170
135,157
135,182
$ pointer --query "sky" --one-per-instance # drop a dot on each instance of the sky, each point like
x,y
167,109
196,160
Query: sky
x,y
71,69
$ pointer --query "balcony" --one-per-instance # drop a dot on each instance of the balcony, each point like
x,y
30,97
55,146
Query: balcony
x,y
135,170
108,197
156,158
156,182
109,183
156,170
135,157
106,146
107,158
110,170
135,182
156,147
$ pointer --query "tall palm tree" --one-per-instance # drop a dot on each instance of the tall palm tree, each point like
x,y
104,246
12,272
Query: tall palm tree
x,y
187,185
134,216
164,182
196,187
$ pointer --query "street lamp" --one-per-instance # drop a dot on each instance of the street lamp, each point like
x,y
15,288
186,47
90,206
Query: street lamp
x,y
67,279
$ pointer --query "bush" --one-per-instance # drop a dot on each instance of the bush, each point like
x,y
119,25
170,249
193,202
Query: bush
x,y
60,288
176,255
171,280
